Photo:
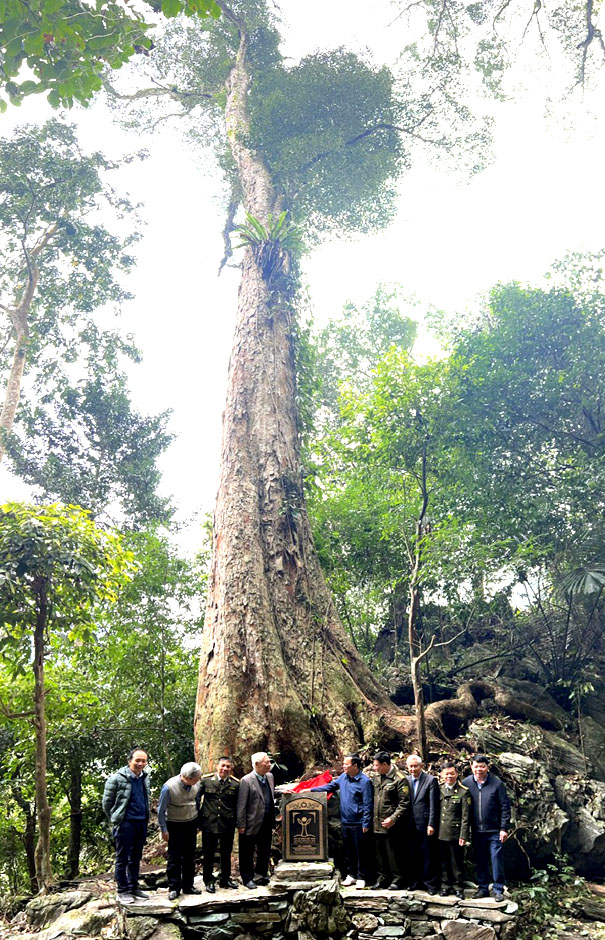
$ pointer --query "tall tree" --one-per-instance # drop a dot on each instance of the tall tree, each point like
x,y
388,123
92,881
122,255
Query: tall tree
x,y
55,566
81,439
319,144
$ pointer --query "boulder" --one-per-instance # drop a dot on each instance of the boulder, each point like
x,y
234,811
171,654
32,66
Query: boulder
x,y
594,744
539,823
46,908
140,928
584,840
556,754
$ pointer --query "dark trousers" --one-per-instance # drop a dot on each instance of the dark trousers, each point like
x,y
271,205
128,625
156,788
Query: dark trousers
x,y
261,843
424,858
180,867
387,855
129,838
210,842
354,848
488,848
452,863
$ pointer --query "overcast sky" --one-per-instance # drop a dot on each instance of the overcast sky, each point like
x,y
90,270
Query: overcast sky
x,y
452,240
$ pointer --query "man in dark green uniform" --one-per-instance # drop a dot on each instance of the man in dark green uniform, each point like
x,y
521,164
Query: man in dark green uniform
x,y
391,804
217,822
454,821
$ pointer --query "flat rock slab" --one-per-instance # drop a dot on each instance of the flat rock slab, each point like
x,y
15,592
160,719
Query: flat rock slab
x,y
304,871
434,898
463,930
494,917
488,903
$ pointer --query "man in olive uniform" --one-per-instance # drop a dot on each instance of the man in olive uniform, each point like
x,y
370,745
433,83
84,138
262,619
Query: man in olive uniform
x,y
391,804
217,821
454,822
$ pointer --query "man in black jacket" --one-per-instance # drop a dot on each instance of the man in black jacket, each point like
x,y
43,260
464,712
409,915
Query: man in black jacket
x,y
424,794
490,822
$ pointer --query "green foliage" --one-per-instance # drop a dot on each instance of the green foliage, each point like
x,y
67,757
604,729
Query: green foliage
x,y
547,902
327,129
80,566
66,46
77,436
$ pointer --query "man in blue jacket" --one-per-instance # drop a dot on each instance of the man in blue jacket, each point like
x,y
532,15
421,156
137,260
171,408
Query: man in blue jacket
x,y
490,823
126,805
356,806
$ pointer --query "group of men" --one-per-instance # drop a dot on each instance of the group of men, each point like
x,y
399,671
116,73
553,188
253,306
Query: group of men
x,y
419,826
216,803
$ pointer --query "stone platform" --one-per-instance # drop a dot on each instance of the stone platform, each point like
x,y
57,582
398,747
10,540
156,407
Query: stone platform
x,y
306,901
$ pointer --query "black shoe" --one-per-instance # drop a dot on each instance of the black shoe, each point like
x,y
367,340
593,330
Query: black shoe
x,y
194,890
459,893
380,885
173,895
480,893
210,888
229,883
261,880
445,892
432,891
397,885
139,893
498,897
416,886
250,884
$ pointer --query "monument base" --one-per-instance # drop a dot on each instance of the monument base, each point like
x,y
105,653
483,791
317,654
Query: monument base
x,y
303,873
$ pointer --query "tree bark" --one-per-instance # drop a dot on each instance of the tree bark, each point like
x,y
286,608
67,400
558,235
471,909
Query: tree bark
x,y
44,875
29,835
413,641
277,669
72,868
19,316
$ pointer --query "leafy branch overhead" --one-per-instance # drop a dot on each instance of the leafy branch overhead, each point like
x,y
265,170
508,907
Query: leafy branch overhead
x,y
65,44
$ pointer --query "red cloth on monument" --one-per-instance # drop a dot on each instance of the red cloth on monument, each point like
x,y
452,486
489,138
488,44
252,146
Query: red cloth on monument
x,y
326,777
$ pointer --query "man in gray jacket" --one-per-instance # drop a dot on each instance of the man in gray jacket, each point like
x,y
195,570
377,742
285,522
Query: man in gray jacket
x,y
126,805
255,821
177,815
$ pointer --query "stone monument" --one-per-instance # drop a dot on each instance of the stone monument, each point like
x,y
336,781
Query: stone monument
x,y
305,827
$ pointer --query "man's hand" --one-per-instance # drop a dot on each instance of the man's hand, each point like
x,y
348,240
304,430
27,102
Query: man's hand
x,y
461,842
241,831
503,835
365,830
430,831
165,836
387,823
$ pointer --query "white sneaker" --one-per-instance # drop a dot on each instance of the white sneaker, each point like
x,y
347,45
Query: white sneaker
x,y
348,881
360,883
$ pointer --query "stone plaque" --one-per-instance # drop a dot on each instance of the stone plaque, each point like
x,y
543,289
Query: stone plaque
x,y
305,827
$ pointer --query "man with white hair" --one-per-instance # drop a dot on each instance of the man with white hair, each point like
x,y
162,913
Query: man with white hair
x,y
255,821
177,815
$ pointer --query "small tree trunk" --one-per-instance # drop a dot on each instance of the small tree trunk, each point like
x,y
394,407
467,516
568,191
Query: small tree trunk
x,y
72,869
29,835
13,390
44,875
413,641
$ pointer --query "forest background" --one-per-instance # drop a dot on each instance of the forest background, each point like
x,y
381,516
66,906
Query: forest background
x,y
499,433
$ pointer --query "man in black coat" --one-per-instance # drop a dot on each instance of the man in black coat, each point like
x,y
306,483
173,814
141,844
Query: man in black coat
x,y
217,821
424,794
490,823
255,821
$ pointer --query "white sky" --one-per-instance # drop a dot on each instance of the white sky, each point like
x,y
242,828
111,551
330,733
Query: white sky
x,y
452,240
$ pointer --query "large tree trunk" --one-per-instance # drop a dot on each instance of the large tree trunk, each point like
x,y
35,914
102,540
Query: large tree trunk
x,y
44,875
277,670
